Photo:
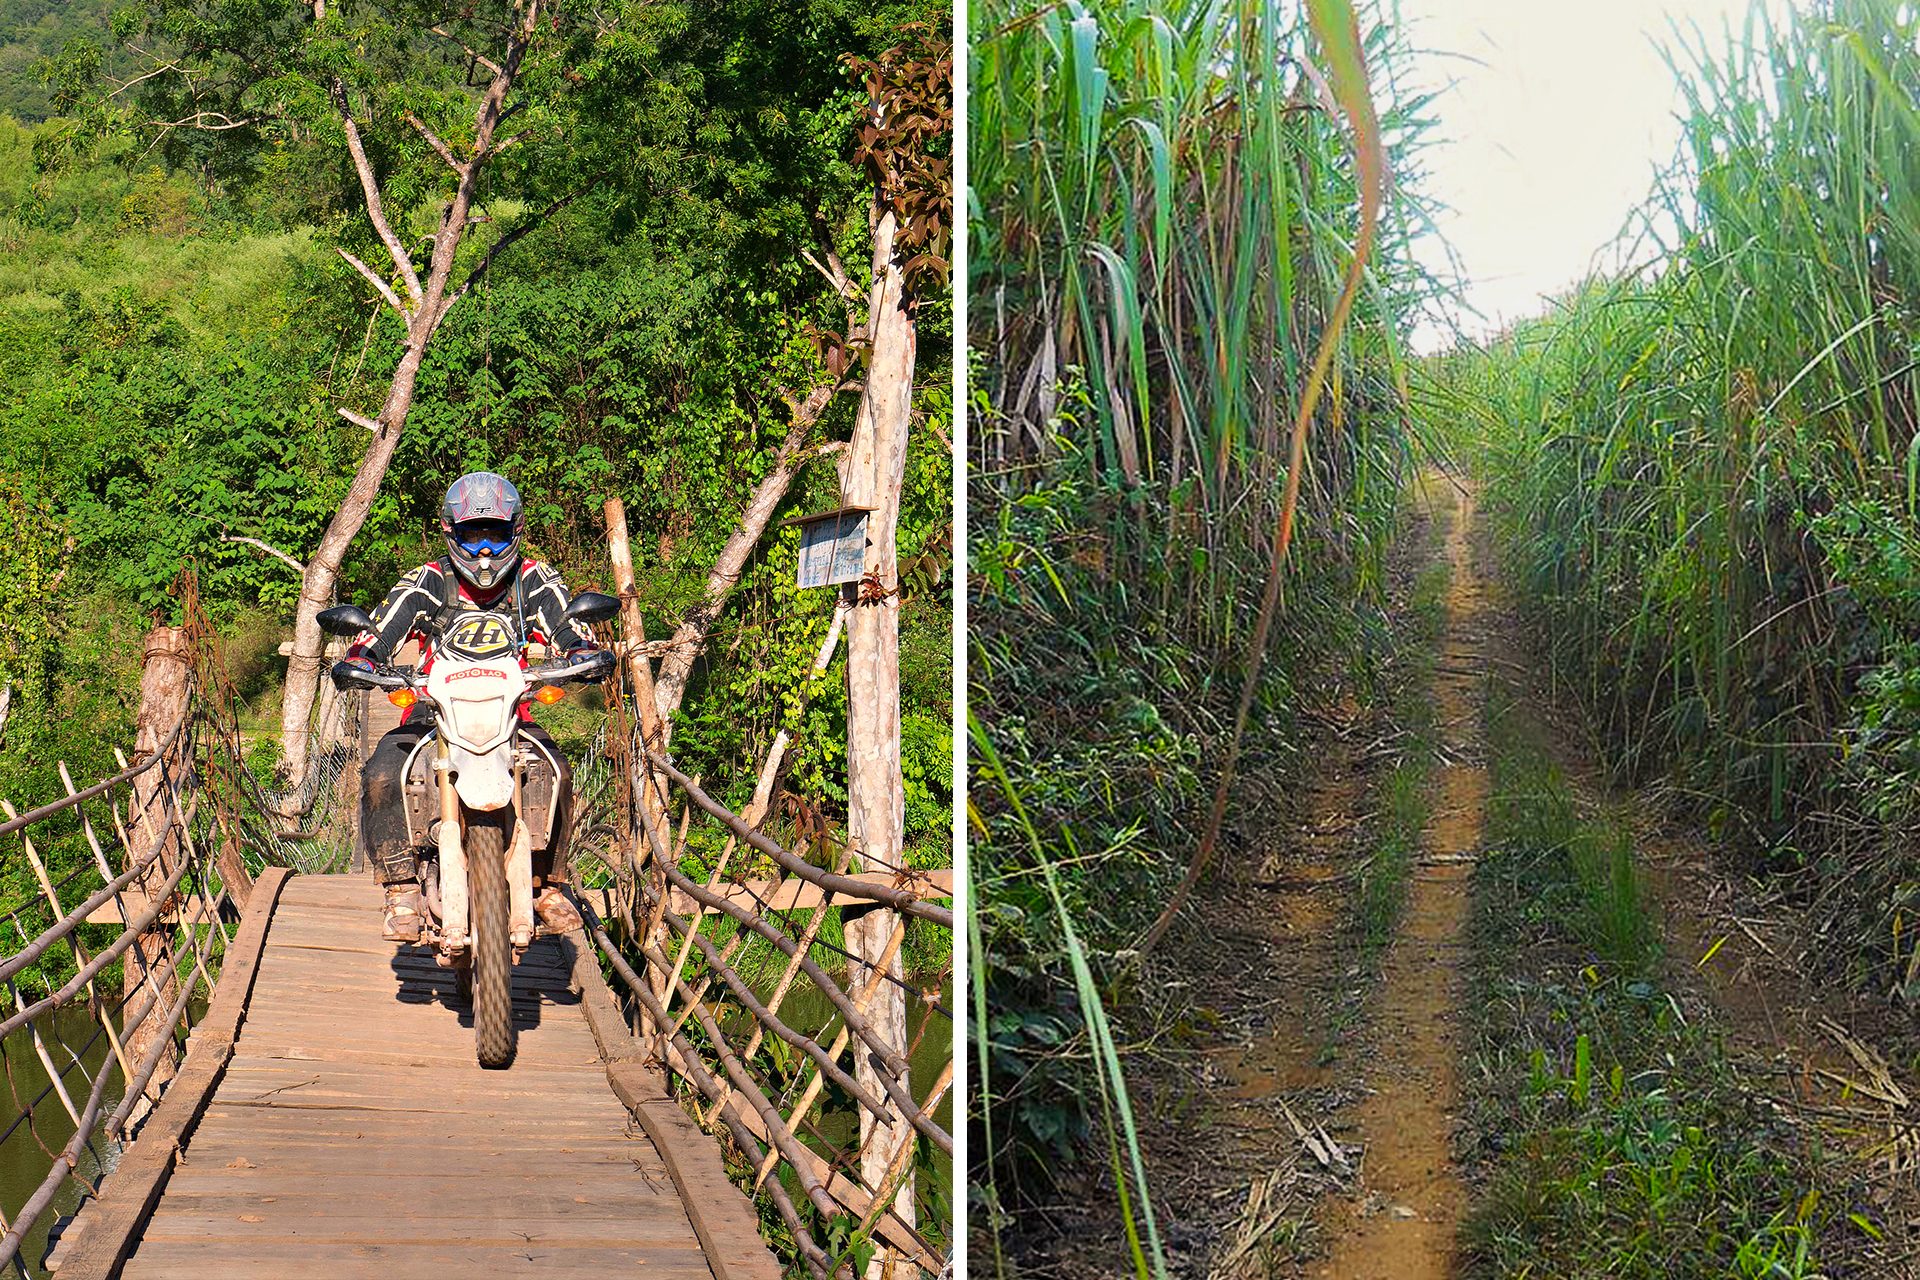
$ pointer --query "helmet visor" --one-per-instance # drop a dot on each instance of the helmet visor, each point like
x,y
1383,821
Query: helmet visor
x,y
483,537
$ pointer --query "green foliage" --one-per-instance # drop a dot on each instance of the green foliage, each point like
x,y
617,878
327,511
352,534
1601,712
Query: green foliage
x,y
160,390
1157,236
36,548
33,30
1707,470
1617,1139
165,391
177,332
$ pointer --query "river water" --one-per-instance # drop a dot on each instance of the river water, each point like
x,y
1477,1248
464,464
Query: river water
x,y
807,1011
29,1151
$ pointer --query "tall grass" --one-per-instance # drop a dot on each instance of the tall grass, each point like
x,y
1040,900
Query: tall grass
x,y
1166,204
1163,202
1709,465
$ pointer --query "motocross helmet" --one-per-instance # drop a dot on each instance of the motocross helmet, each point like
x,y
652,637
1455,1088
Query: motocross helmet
x,y
482,521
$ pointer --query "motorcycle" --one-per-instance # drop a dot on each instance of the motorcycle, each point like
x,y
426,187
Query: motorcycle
x,y
480,795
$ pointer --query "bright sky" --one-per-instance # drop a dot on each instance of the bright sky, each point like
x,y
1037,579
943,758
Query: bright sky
x,y
1560,113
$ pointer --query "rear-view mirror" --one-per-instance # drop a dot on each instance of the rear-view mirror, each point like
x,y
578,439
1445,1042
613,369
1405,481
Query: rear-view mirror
x,y
344,620
591,607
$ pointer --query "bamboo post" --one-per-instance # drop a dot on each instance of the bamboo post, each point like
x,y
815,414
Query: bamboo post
x,y
164,682
633,629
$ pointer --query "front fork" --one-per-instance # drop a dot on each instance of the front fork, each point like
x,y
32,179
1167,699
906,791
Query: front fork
x,y
520,861
453,860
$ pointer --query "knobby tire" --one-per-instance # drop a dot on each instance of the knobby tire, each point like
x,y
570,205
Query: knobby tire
x,y
493,1035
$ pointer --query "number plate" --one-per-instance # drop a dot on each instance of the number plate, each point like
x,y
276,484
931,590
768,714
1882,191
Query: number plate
x,y
483,635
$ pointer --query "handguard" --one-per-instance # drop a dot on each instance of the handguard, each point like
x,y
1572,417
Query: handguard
x,y
348,674
589,668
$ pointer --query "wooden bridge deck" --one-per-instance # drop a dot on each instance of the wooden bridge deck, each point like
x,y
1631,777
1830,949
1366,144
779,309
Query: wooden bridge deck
x,y
353,1134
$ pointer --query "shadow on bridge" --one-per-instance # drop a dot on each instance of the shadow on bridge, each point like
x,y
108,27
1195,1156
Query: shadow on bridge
x,y
420,981
324,1114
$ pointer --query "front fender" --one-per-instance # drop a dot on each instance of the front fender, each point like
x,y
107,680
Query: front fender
x,y
483,781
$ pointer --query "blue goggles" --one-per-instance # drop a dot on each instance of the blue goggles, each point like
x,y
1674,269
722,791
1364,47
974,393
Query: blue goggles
x,y
483,538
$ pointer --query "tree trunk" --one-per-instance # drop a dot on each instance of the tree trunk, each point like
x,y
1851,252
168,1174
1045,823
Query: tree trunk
x,y
316,584
633,630
651,802
149,963
429,307
871,475
670,688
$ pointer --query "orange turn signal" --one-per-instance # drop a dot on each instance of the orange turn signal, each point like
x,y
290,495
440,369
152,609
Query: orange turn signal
x,y
402,698
548,694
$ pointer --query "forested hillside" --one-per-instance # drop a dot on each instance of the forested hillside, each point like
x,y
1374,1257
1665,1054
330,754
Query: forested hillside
x,y
34,29
177,332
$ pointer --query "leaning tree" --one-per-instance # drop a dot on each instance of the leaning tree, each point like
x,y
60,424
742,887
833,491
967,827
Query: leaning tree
x,y
414,106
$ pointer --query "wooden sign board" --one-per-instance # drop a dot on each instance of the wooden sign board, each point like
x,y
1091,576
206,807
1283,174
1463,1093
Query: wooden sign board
x,y
833,547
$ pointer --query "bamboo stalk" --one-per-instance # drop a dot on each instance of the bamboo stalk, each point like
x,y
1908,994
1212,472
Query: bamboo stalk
x,y
79,952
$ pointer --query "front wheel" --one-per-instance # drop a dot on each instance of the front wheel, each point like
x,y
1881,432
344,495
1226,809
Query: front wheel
x,y
493,1037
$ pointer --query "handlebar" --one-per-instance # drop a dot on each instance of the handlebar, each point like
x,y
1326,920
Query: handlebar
x,y
588,668
346,675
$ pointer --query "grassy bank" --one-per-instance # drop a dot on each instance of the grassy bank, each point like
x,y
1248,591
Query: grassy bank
x,y
1609,1128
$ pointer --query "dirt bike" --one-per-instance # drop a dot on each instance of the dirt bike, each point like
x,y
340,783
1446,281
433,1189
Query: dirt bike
x,y
479,793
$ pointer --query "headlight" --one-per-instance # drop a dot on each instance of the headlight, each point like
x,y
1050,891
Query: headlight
x,y
478,722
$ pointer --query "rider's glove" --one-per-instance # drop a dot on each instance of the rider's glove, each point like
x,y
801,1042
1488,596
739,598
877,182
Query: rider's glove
x,y
585,651
346,671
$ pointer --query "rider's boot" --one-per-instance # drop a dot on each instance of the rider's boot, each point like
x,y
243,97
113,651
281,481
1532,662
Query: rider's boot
x,y
555,911
405,913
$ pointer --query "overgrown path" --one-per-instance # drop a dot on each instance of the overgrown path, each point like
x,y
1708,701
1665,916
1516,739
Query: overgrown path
x,y
1404,1223
1360,1102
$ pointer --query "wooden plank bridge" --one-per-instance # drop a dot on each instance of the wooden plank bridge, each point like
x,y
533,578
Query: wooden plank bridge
x,y
328,1117
330,1121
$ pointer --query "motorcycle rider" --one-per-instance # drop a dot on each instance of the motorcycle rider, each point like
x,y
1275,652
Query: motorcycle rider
x,y
482,520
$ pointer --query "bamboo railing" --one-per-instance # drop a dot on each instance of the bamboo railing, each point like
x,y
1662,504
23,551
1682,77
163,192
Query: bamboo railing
x,y
135,848
150,869
114,945
677,911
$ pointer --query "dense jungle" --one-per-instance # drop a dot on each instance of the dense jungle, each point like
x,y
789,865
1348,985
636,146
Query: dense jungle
x,y
179,325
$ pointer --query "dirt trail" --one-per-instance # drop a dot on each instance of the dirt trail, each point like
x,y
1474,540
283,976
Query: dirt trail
x,y
1390,1094
1307,912
1404,1224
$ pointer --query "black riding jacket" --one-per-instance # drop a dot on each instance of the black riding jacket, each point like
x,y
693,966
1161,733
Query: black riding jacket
x,y
422,594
